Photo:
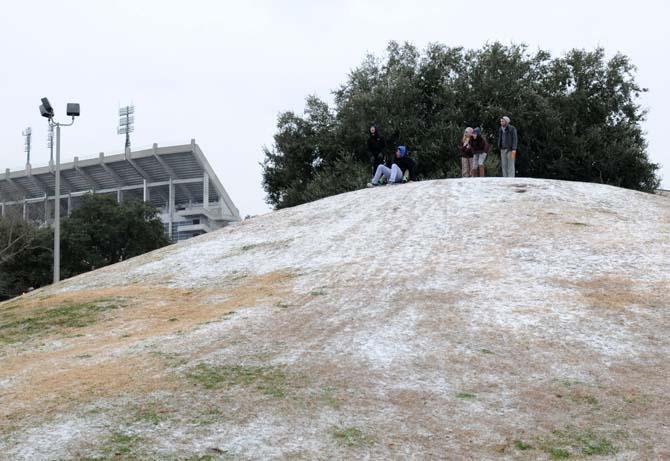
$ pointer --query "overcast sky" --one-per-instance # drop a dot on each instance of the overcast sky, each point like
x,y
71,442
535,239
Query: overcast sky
x,y
220,72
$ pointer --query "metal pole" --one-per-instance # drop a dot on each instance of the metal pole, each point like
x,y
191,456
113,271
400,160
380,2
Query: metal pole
x,y
170,206
57,210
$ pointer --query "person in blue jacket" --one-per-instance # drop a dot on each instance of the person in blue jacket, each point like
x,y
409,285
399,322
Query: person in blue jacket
x,y
402,169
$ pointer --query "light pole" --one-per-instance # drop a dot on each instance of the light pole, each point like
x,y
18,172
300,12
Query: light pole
x,y
47,111
126,124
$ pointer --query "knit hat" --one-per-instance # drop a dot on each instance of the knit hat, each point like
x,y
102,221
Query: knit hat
x,y
505,118
478,131
402,150
468,130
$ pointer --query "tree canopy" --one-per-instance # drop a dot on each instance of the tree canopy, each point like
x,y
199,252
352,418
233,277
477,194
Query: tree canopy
x,y
26,256
577,117
98,233
101,232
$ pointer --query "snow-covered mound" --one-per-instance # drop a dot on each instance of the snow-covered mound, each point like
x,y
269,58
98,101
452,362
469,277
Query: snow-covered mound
x,y
456,319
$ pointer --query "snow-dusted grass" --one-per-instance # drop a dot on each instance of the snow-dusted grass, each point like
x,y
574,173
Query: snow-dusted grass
x,y
455,316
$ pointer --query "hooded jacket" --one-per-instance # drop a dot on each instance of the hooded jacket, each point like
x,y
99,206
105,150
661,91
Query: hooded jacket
x,y
405,162
376,146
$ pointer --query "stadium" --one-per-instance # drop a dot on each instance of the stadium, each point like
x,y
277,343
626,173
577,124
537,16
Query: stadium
x,y
177,179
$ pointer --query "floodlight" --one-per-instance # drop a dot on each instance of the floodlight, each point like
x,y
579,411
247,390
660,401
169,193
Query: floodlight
x,y
126,122
127,110
73,109
47,107
45,113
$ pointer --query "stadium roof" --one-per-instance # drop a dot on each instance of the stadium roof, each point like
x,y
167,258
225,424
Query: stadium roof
x,y
130,174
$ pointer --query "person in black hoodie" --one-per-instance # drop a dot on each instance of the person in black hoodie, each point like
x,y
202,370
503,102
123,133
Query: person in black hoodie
x,y
376,146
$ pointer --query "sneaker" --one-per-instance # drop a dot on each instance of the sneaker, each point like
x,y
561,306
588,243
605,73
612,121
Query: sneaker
x,y
372,185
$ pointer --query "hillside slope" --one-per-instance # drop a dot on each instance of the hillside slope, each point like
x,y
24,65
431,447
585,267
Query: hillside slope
x,y
454,319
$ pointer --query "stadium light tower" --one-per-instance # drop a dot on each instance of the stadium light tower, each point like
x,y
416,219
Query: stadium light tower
x,y
126,123
47,111
27,133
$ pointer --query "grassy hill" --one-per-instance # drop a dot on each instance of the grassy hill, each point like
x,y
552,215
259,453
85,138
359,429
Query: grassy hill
x,y
456,319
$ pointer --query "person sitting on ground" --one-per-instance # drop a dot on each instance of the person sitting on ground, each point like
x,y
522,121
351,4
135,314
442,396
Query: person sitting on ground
x,y
401,171
479,147
376,146
467,162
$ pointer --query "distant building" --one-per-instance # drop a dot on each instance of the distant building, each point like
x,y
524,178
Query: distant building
x,y
176,179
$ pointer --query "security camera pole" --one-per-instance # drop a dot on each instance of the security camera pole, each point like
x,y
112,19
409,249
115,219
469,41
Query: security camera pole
x,y
47,111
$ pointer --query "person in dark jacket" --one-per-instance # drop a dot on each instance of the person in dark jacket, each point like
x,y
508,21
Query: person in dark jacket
x,y
402,169
376,147
479,148
405,164
507,143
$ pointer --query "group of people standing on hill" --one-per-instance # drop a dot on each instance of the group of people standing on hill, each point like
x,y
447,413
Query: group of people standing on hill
x,y
473,148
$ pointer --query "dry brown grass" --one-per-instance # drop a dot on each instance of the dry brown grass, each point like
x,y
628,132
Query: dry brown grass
x,y
614,292
94,361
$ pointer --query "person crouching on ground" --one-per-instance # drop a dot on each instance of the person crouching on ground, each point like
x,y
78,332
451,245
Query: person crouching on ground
x,y
402,169
467,162
479,148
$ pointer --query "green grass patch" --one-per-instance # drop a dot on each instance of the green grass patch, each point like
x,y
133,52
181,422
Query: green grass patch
x,y
122,446
267,379
150,415
54,320
351,436
485,351
318,293
521,445
466,395
558,453
564,443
